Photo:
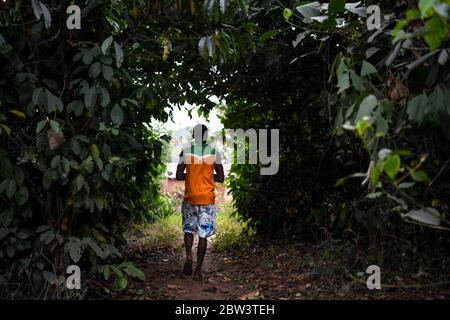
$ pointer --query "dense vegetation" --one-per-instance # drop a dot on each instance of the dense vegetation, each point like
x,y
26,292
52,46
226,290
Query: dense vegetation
x,y
80,162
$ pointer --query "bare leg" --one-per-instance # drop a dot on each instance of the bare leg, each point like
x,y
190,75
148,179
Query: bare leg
x,y
188,240
201,250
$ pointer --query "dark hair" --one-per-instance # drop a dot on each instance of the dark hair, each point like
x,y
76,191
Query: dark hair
x,y
204,131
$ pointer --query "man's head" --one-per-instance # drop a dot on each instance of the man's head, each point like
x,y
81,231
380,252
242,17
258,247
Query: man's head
x,y
200,134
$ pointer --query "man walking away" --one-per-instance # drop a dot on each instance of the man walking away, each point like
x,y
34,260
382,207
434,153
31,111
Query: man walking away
x,y
198,209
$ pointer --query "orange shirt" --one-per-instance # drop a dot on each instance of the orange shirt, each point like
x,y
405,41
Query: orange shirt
x,y
200,161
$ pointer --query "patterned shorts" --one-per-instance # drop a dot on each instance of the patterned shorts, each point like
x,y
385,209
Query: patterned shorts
x,y
199,219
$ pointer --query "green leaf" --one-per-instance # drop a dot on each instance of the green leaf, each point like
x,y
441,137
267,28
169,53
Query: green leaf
x,y
88,56
5,128
94,246
287,13
117,114
244,6
94,70
55,126
106,272
300,37
88,164
343,77
47,179
90,97
406,185
267,35
366,107
11,251
357,82
427,216
21,196
131,269
310,9
362,126
41,125
43,228
106,44
78,183
391,165
105,97
53,103
107,72
7,216
336,6
119,54
37,10
374,195
367,68
117,271
122,283
55,161
3,233
4,185
382,126
23,234
420,176
417,108
75,250
36,95
18,113
47,16
76,107
47,236
436,31
11,188
425,6
375,175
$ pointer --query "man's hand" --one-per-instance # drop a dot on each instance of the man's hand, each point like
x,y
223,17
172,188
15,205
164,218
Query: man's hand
x,y
219,176
181,175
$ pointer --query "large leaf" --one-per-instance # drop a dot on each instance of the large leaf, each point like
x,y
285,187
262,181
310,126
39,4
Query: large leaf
x,y
367,68
47,16
391,165
11,188
427,216
131,270
94,70
21,197
75,247
76,107
106,44
342,74
417,108
107,72
90,97
310,9
37,10
119,54
366,107
117,114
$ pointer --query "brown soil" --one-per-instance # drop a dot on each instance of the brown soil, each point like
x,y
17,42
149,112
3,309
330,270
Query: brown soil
x,y
269,272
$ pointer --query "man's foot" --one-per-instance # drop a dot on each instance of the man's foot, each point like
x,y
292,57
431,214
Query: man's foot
x,y
198,275
187,269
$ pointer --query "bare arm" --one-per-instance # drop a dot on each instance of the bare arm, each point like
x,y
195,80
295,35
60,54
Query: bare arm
x,y
219,176
181,175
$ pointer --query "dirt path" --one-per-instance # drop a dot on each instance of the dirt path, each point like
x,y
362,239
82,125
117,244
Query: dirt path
x,y
269,272
165,279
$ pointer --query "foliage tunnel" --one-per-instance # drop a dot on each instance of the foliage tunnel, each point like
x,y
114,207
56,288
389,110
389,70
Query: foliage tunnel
x,y
362,106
